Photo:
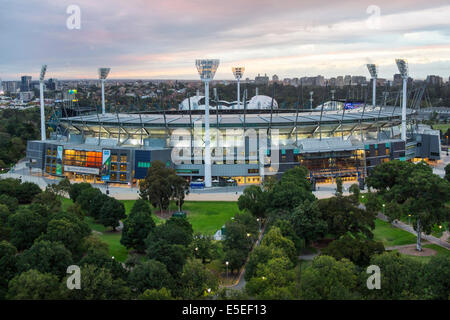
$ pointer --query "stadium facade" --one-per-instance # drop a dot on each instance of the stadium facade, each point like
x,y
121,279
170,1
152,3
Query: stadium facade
x,y
247,144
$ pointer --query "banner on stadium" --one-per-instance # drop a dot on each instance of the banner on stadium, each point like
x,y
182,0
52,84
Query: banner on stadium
x,y
59,158
106,165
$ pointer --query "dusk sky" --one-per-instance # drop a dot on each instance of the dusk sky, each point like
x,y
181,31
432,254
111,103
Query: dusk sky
x,y
145,39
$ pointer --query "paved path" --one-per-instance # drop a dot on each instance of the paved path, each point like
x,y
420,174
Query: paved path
x,y
410,229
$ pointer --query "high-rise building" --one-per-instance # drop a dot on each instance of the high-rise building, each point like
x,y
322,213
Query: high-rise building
x,y
434,80
275,78
25,83
340,81
347,80
52,84
10,86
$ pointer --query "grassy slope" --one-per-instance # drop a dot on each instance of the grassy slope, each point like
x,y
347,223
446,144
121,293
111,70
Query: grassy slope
x,y
391,236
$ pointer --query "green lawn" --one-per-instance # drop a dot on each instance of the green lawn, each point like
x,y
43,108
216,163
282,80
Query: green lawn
x,y
391,236
207,217
116,250
441,126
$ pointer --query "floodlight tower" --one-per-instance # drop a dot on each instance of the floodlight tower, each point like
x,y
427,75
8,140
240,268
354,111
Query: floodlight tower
x,y
311,98
238,73
207,69
102,74
41,95
333,104
373,70
402,66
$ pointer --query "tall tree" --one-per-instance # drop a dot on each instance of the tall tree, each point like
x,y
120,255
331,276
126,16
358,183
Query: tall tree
x,y
156,186
137,226
254,200
111,212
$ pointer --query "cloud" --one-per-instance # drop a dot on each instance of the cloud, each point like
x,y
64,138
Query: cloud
x,y
161,39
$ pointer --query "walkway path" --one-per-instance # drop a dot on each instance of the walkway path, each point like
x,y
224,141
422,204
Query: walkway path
x,y
410,229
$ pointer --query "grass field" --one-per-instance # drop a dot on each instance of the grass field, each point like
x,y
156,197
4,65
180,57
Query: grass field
x,y
440,252
116,250
391,236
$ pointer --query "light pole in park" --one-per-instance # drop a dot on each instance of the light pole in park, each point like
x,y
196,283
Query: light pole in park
x,y
402,66
238,72
373,70
41,95
226,263
207,69
103,74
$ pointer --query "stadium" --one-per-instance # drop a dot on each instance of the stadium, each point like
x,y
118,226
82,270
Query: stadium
x,y
249,140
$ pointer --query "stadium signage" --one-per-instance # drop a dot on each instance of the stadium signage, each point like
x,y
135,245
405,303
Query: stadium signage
x,y
81,169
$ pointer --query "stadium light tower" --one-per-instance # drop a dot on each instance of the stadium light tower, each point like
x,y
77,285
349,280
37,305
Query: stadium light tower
x,y
238,73
374,74
311,98
102,74
207,69
402,66
41,95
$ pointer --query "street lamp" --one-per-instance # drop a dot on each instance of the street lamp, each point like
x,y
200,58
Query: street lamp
x,y
402,66
259,223
226,263
374,74
409,219
102,74
383,207
207,69
41,96
238,72
440,240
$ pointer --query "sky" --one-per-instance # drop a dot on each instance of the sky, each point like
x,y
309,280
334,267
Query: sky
x,y
161,39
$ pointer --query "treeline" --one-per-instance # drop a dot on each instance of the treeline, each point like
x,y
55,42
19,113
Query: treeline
x,y
16,128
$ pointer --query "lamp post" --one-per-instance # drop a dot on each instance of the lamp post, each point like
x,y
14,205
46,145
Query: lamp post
x,y
238,72
102,74
409,219
440,240
226,263
259,224
402,66
41,96
207,69
374,74
383,207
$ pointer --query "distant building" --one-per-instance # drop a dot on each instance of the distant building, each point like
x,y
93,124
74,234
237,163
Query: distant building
x,y
332,82
340,81
10,86
26,96
435,80
347,80
25,83
262,79
397,80
275,78
358,80
52,84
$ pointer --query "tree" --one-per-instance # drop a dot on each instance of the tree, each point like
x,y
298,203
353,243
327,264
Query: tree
x,y
195,279
328,279
137,226
91,201
46,257
150,274
343,216
111,212
254,200
339,191
26,226
69,230
156,186
357,250
61,188
8,265
77,188
179,187
172,255
274,280
10,202
235,258
447,172
26,191
34,285
154,294
437,278
99,284
355,191
400,278
9,187
203,247
49,200
307,223
274,239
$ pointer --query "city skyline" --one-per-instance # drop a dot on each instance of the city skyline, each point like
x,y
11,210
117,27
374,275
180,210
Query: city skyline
x,y
151,40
